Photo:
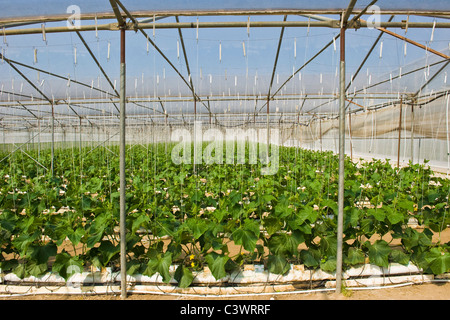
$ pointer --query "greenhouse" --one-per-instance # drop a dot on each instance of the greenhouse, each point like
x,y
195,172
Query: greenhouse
x,y
240,147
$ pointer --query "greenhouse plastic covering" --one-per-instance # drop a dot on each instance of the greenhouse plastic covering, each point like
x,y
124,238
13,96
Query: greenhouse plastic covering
x,y
231,69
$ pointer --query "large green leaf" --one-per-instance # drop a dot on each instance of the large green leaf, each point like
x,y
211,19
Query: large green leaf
x,y
306,213
354,256
309,258
184,276
439,260
329,265
328,245
108,250
379,253
278,264
247,235
41,254
36,269
285,244
272,225
394,216
67,265
399,256
216,264
160,264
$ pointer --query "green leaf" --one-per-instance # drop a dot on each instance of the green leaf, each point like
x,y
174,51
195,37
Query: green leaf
x,y
41,254
309,258
184,276
23,241
247,235
394,216
306,213
278,264
36,269
216,264
354,256
351,216
133,267
329,265
328,245
439,260
108,251
379,253
272,225
399,256
377,213
67,265
76,235
139,221
197,226
284,244
161,265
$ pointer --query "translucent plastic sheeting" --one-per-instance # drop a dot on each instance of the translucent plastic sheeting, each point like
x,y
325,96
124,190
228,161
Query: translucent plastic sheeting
x,y
424,133
219,69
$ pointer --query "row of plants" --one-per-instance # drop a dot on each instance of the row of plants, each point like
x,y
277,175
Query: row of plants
x,y
178,214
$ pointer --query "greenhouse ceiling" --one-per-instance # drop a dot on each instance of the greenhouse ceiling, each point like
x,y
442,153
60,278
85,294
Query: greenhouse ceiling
x,y
218,61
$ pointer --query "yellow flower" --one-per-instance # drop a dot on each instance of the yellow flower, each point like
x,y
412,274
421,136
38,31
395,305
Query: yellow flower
x,y
192,264
191,257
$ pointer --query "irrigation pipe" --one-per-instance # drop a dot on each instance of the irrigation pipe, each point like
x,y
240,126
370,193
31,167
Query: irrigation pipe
x,y
226,295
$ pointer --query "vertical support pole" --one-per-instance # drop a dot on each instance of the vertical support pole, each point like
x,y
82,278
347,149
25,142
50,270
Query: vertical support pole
x,y
195,135
340,221
39,139
350,134
399,132
268,134
123,231
52,163
412,133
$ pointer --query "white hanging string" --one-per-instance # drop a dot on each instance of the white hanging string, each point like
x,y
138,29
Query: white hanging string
x,y
197,30
432,31
154,21
35,56
381,49
295,48
44,37
96,27
109,51
4,36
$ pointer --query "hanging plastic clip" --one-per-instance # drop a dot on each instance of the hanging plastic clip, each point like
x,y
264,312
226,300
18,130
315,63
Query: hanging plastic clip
x,y
432,31
44,36
4,36
197,29
295,48
96,27
109,51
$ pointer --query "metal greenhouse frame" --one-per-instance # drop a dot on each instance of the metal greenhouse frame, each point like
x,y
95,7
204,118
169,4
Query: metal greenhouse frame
x,y
146,21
